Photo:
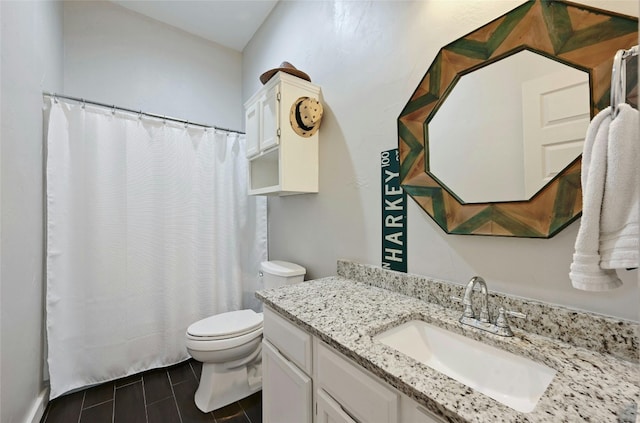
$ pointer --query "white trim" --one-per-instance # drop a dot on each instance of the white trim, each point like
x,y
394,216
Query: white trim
x,y
38,407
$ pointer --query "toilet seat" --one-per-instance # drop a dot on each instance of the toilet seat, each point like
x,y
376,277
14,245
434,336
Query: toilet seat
x,y
226,325
225,330
203,344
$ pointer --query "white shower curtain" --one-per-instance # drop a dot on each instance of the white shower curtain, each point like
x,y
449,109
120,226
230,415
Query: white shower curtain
x,y
149,228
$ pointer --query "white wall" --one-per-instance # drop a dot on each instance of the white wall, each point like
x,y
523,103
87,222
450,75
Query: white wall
x,y
116,56
31,62
368,57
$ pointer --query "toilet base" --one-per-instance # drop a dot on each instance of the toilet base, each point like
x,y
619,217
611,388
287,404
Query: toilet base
x,y
220,387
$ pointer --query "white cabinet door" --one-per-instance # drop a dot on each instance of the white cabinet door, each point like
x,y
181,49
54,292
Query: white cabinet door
x,y
286,390
422,415
412,412
270,119
329,411
252,119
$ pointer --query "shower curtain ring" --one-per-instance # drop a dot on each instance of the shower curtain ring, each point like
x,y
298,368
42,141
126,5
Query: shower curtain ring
x,y
83,103
140,114
186,124
113,110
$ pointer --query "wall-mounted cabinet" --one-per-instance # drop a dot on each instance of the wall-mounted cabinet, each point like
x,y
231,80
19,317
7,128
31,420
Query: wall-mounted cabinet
x,y
281,162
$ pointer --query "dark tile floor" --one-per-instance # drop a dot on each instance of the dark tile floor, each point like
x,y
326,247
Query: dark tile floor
x,y
156,396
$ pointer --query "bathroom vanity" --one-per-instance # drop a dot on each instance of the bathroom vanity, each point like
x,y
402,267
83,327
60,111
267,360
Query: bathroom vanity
x,y
303,376
323,362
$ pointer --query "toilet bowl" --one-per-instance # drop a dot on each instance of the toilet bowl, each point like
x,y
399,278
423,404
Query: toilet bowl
x,y
229,347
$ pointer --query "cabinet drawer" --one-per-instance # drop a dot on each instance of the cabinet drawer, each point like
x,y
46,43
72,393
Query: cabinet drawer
x,y
362,396
291,341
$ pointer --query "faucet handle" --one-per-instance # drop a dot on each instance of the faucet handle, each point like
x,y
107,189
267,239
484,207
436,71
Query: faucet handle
x,y
502,324
516,314
502,321
455,299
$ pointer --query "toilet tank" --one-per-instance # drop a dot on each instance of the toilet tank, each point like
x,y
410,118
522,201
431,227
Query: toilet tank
x,y
279,273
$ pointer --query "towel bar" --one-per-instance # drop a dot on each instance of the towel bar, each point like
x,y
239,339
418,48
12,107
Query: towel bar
x,y
619,78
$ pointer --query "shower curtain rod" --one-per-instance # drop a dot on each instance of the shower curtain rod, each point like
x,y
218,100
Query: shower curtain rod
x,y
138,112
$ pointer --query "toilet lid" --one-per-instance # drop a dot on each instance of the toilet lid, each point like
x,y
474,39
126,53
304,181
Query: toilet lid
x,y
226,325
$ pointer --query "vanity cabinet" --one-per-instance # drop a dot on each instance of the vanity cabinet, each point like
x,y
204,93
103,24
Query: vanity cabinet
x,y
281,162
306,380
412,412
286,368
359,395
329,411
286,390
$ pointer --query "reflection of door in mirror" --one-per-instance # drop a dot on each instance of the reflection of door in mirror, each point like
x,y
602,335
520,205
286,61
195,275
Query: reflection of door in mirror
x,y
555,117
476,142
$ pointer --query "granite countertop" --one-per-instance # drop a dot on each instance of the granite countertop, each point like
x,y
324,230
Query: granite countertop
x,y
346,314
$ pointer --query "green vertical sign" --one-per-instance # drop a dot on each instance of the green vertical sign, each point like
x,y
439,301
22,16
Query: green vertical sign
x,y
394,213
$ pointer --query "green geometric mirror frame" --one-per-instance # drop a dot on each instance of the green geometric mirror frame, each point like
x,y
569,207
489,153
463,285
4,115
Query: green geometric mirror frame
x,y
579,36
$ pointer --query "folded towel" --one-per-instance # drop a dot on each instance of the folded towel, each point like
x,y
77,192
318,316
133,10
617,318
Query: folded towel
x,y
619,226
586,272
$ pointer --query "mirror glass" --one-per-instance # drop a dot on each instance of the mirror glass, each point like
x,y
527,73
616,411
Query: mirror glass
x,y
506,129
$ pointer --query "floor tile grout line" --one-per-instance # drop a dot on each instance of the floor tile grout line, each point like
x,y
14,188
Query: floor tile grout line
x,y
193,372
245,409
127,384
84,395
115,391
100,403
158,400
113,409
144,400
245,412
175,400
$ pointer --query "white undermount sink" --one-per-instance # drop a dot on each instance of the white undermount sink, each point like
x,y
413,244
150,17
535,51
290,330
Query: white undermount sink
x,y
508,378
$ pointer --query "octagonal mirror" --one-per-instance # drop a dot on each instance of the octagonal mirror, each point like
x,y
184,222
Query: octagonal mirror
x,y
525,119
452,135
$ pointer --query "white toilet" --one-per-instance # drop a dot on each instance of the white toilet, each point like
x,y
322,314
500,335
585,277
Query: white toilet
x,y
229,345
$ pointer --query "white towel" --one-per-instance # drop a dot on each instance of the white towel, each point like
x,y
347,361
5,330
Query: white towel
x,y
608,234
586,272
619,227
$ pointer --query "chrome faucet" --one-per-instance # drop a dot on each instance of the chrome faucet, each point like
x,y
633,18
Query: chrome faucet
x,y
500,327
467,301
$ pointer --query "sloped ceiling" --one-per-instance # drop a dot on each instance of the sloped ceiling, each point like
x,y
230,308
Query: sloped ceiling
x,y
230,23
